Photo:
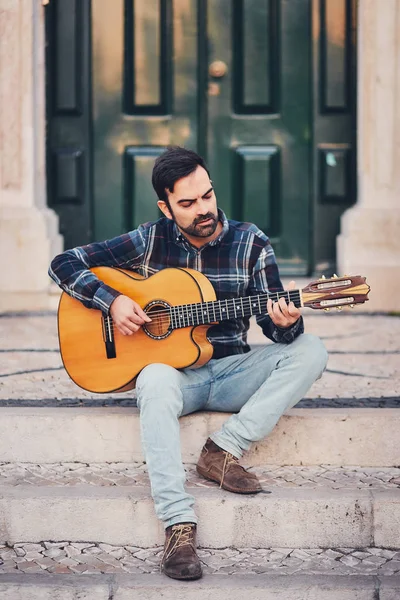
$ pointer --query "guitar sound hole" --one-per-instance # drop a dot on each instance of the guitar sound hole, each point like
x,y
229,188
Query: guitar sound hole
x,y
159,328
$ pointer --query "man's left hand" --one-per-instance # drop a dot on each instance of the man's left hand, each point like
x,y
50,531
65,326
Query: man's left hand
x,y
283,314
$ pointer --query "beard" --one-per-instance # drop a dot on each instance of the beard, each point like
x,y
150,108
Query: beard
x,y
196,229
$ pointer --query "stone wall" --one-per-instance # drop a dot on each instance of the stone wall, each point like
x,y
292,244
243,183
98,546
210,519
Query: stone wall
x,y
28,229
370,240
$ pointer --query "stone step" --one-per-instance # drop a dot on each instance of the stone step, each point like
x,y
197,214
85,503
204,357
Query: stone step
x,y
152,587
299,508
96,558
354,436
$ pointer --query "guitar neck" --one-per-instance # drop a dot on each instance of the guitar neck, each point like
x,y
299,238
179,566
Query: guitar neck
x,y
203,313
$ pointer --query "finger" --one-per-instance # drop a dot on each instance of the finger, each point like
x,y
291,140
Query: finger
x,y
283,306
269,307
293,310
134,318
139,311
131,326
291,285
279,319
124,330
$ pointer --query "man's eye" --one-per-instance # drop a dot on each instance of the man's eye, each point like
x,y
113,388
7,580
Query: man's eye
x,y
186,204
207,197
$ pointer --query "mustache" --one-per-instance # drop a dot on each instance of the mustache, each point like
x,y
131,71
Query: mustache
x,y
205,218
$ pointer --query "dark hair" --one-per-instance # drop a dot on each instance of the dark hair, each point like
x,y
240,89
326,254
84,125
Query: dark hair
x,y
173,164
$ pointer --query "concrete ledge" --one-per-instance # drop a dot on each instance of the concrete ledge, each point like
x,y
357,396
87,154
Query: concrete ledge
x,y
151,587
294,518
355,436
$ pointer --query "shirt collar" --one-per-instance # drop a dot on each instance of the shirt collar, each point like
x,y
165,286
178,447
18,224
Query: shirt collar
x,y
179,237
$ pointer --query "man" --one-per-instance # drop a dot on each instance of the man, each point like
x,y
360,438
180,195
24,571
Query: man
x,y
258,386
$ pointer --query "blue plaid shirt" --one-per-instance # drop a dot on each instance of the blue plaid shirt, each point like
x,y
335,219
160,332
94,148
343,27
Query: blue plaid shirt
x,y
239,262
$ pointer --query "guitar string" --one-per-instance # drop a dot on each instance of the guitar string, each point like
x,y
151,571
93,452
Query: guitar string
x,y
248,299
184,307
165,316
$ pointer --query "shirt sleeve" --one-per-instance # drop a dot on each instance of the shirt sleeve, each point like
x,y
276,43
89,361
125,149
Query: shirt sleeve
x,y
71,269
265,278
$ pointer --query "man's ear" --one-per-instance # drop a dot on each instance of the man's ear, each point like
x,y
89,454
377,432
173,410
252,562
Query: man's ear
x,y
164,209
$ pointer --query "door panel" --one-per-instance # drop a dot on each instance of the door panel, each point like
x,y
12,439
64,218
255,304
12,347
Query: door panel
x,y
145,97
68,148
259,134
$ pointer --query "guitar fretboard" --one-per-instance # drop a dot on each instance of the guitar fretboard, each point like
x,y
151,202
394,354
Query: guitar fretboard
x,y
202,313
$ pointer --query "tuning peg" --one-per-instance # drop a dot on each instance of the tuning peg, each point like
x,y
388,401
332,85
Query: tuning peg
x,y
327,309
335,276
339,308
352,305
322,278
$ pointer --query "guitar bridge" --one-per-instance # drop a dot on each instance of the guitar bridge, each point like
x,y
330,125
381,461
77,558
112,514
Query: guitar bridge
x,y
108,336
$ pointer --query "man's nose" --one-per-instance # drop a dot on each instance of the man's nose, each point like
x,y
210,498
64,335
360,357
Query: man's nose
x,y
202,207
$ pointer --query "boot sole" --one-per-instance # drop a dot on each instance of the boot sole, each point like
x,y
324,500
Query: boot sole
x,y
189,578
225,487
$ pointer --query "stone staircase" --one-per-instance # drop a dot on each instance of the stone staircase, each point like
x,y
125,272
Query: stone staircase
x,y
77,519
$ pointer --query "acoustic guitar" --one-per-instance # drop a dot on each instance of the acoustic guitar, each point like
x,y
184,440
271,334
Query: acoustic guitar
x,y
182,306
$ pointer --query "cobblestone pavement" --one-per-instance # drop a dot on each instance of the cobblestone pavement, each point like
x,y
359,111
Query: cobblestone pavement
x,y
363,368
67,557
129,474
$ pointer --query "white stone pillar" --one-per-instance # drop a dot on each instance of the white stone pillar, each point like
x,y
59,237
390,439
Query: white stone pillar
x,y
28,229
369,243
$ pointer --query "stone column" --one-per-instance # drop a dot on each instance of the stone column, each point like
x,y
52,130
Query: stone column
x,y
369,243
28,229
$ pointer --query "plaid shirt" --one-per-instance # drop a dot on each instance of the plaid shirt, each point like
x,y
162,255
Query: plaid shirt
x,y
239,262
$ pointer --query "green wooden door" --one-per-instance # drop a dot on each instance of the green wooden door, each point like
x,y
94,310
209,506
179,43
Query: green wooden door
x,y
261,88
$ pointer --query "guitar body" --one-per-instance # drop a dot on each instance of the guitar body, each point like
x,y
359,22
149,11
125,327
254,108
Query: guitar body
x,y
82,334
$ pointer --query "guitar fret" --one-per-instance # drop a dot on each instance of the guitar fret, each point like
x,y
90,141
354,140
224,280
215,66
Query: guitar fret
x,y
187,315
203,313
208,315
183,324
195,318
224,311
184,310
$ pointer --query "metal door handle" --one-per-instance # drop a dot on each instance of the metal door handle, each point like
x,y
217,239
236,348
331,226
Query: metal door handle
x,y
217,68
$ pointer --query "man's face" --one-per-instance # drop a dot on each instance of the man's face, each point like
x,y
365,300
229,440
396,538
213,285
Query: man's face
x,y
193,205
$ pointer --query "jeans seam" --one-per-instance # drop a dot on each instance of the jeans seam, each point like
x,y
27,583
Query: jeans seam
x,y
237,371
212,381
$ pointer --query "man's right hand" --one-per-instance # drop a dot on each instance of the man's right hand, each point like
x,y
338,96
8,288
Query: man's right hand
x,y
127,315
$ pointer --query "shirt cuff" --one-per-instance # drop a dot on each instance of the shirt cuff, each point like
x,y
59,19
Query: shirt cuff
x,y
286,335
104,297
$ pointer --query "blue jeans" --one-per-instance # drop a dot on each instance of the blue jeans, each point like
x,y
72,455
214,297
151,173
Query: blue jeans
x,y
258,387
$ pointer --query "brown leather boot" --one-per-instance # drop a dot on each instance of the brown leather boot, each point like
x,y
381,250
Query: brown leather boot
x,y
219,465
180,560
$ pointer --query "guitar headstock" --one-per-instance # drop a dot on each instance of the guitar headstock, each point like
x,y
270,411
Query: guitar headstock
x,y
336,292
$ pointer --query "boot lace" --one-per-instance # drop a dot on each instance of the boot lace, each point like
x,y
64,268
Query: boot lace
x,y
229,460
182,535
